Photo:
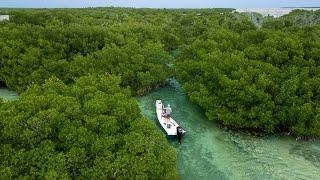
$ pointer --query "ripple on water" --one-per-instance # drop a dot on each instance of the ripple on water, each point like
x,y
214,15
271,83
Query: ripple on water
x,y
208,152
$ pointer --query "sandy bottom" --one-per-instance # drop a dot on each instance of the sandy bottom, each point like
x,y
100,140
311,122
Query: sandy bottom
x,y
208,152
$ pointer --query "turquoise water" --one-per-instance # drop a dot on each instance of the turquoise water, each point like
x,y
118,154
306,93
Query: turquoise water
x,y
208,152
7,94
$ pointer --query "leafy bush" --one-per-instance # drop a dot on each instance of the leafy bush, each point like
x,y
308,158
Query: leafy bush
x,y
90,129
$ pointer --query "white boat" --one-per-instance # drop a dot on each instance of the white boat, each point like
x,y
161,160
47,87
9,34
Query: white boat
x,y
171,127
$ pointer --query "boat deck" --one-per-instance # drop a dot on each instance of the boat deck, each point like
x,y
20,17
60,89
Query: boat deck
x,y
168,124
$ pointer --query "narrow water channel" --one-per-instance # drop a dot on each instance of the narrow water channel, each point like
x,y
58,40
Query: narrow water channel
x,y
7,94
208,152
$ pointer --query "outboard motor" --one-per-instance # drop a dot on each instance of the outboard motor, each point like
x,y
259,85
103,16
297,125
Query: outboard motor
x,y
179,134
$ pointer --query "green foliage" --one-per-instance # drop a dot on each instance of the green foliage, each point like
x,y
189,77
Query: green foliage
x,y
262,80
90,129
37,44
296,18
77,70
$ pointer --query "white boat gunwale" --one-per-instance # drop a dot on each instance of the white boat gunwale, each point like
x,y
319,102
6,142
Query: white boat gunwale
x,y
167,123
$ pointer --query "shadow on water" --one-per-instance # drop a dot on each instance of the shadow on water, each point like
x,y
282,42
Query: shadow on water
x,y
208,152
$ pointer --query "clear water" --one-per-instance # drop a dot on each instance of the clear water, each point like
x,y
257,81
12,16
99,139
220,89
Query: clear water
x,y
208,152
7,94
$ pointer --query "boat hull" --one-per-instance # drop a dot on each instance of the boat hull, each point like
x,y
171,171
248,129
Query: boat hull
x,y
168,123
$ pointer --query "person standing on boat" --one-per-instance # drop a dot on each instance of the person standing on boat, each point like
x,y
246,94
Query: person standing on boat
x,y
168,110
166,113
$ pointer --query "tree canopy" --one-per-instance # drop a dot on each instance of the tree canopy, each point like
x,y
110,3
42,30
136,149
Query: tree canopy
x,y
91,129
264,79
77,70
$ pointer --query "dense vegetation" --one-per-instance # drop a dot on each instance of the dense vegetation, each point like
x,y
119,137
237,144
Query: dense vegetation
x,y
72,121
38,44
77,71
91,129
262,79
295,18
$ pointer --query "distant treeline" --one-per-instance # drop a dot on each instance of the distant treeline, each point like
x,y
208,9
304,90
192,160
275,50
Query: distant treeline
x,y
297,17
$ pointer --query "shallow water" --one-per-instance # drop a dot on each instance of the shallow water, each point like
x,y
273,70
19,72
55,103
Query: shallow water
x,y
7,94
208,152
